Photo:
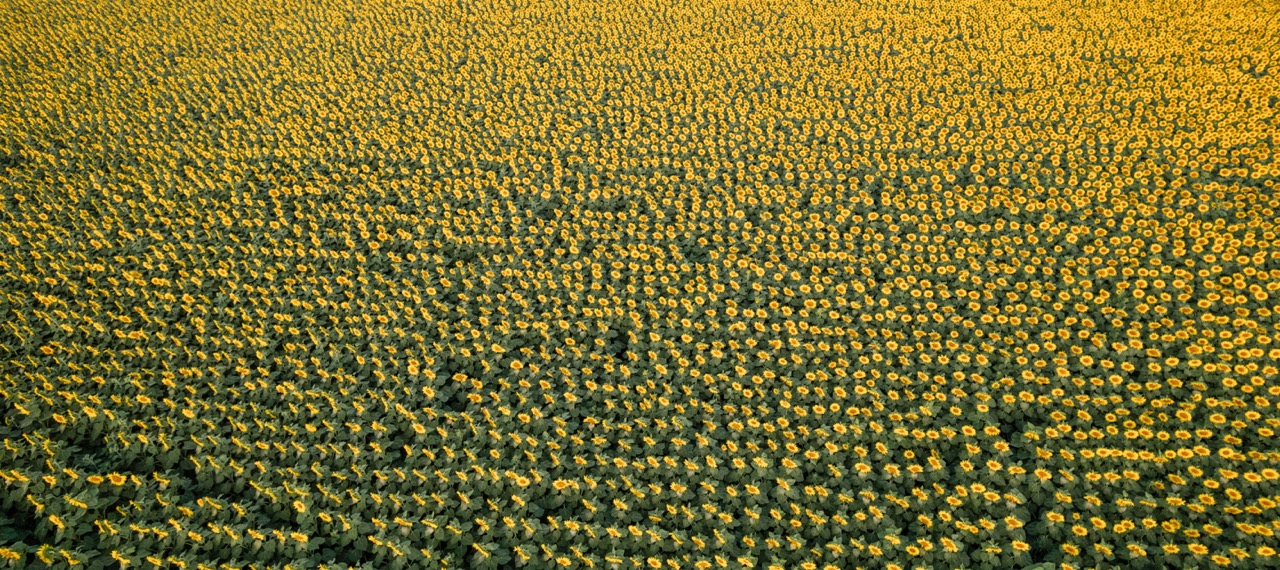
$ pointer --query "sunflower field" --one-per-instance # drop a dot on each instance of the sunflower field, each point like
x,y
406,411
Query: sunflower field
x,y
612,284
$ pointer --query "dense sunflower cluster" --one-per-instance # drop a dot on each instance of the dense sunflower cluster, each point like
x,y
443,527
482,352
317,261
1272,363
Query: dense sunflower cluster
x,y
639,284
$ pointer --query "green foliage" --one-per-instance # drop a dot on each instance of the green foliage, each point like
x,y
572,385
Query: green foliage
x,y
767,284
